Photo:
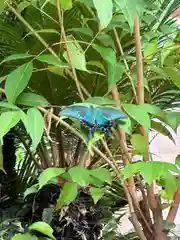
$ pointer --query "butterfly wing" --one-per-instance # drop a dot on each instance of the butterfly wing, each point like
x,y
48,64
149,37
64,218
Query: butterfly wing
x,y
78,112
108,114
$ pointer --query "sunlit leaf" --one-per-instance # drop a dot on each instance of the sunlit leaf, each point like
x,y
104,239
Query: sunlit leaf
x,y
77,55
66,4
26,236
17,56
104,11
5,104
68,194
17,81
34,124
44,228
168,48
96,193
47,175
31,190
2,5
50,59
102,174
80,175
32,100
139,143
8,120
150,48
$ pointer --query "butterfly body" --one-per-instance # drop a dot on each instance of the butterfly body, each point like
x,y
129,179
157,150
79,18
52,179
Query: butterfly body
x,y
94,117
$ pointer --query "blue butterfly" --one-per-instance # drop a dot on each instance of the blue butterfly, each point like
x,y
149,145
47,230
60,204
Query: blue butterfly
x,y
94,117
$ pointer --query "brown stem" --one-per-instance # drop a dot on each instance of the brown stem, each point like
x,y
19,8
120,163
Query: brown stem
x,y
68,51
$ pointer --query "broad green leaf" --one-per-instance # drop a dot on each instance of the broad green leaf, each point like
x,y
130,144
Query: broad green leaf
x,y
35,126
77,55
130,9
170,185
17,56
47,175
97,64
32,100
85,31
154,110
51,60
174,74
102,174
31,190
101,101
8,120
68,194
151,48
104,11
66,4
26,236
115,73
44,228
130,169
17,81
108,54
80,175
22,5
5,104
96,193
139,143
2,5
161,128
139,114
168,48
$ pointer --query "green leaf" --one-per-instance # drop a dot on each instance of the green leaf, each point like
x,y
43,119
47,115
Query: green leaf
x,y
8,120
67,195
80,175
17,56
115,73
101,101
77,55
139,143
50,59
34,124
44,228
23,5
32,100
96,193
170,185
168,48
17,81
104,11
139,114
178,160
85,31
130,9
108,54
161,128
151,48
174,74
25,236
1,159
47,175
97,64
43,31
66,4
2,6
5,104
31,190
102,174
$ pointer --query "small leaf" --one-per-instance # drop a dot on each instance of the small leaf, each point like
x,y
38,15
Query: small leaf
x,y
18,56
96,193
32,100
174,74
8,120
104,11
66,4
138,113
168,48
17,81
48,174
25,236
151,48
77,55
31,190
67,195
34,124
115,73
102,174
139,143
80,175
5,104
44,228
50,59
